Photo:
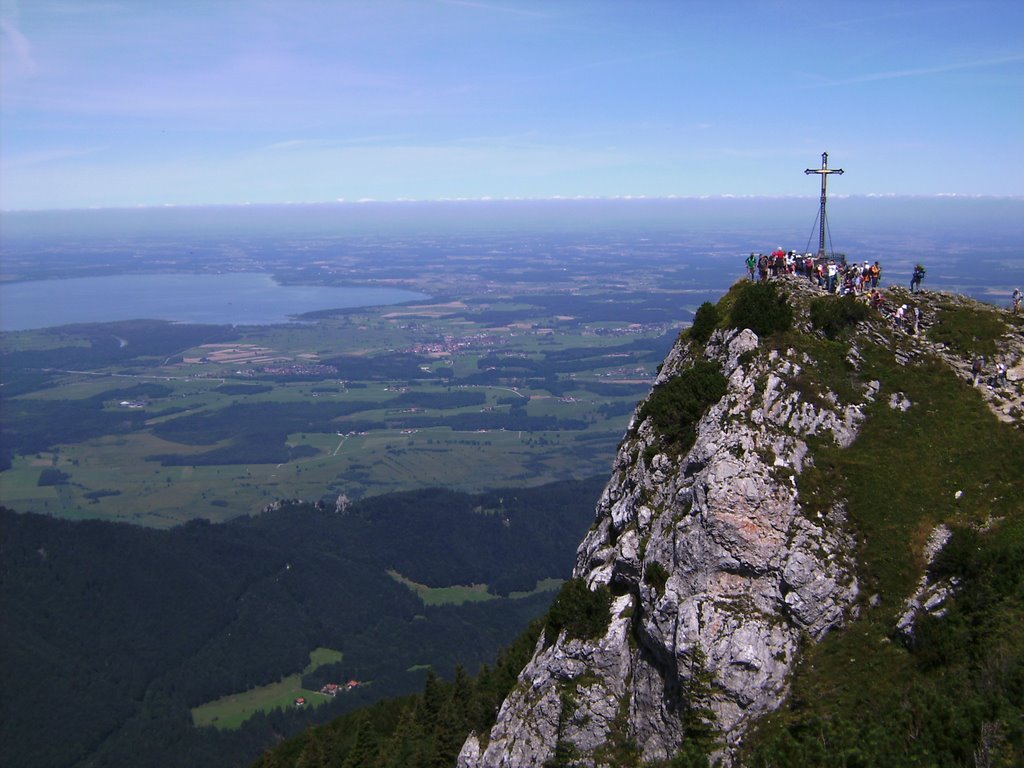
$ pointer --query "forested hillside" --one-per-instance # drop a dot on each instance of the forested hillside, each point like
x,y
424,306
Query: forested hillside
x,y
113,633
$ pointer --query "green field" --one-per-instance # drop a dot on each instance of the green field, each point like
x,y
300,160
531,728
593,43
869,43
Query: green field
x,y
230,712
468,593
111,473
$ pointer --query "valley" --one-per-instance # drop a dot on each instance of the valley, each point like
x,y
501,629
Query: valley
x,y
499,380
397,490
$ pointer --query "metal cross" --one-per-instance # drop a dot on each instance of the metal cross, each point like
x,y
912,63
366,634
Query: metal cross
x,y
824,171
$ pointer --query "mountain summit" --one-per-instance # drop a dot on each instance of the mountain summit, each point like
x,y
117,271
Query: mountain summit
x,y
784,494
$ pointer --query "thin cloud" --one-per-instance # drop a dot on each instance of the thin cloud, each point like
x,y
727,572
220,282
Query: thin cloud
x,y
922,71
22,62
46,157
493,7
298,145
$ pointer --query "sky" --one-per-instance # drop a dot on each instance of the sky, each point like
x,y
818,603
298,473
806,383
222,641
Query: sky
x,y
121,103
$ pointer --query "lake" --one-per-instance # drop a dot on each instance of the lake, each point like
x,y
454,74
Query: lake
x,y
50,260
230,299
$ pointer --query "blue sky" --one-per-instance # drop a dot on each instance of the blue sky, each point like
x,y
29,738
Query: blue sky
x,y
140,102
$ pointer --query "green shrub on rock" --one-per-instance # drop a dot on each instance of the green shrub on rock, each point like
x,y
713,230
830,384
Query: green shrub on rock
x,y
656,576
832,315
762,308
583,613
678,404
704,321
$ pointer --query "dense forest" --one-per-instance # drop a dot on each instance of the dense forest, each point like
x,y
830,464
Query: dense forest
x,y
963,682
114,632
427,730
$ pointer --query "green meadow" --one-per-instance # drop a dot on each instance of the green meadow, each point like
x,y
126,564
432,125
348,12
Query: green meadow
x,y
545,400
466,593
229,712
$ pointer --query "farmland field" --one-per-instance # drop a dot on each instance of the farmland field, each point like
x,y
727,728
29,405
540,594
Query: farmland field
x,y
473,393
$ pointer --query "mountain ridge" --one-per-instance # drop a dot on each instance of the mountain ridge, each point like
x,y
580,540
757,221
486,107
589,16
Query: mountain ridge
x,y
883,630
724,560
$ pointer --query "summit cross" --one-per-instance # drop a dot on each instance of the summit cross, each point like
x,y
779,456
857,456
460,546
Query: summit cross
x,y
824,171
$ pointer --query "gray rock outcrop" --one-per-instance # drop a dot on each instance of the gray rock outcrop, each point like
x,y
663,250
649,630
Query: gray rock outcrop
x,y
930,596
719,574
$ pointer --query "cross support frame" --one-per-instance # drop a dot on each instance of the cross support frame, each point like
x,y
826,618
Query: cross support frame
x,y
824,171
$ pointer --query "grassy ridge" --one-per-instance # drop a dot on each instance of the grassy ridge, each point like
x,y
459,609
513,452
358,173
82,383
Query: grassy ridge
x,y
863,697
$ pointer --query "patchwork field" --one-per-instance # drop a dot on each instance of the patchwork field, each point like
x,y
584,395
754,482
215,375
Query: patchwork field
x,y
338,409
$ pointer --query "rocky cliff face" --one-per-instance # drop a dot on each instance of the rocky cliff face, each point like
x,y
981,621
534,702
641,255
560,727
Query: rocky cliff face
x,y
718,575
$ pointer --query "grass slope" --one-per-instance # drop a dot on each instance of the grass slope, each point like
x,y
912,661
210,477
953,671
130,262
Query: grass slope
x,y
955,696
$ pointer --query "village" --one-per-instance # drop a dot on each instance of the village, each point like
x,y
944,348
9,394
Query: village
x,y
330,689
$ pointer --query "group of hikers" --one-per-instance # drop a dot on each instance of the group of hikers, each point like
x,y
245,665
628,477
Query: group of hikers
x,y
832,275
837,276
999,379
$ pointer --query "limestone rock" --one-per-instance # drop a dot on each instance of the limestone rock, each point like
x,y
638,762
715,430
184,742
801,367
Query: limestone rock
x,y
929,597
715,561
899,402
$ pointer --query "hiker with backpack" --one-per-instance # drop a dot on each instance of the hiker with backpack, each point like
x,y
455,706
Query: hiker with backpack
x,y
977,367
916,278
762,268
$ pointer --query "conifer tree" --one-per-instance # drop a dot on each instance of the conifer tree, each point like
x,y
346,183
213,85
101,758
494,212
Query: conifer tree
x,y
364,750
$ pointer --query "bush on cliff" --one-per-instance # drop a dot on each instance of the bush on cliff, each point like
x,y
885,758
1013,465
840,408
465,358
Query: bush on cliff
x,y
580,611
678,404
762,308
832,315
704,321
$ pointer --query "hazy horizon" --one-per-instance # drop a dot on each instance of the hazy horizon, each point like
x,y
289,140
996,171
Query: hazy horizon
x,y
519,199
741,212
971,245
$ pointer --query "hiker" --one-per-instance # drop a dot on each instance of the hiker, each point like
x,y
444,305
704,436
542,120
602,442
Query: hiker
x,y
810,268
901,314
1001,375
751,265
976,369
1016,300
916,278
778,261
876,274
833,276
